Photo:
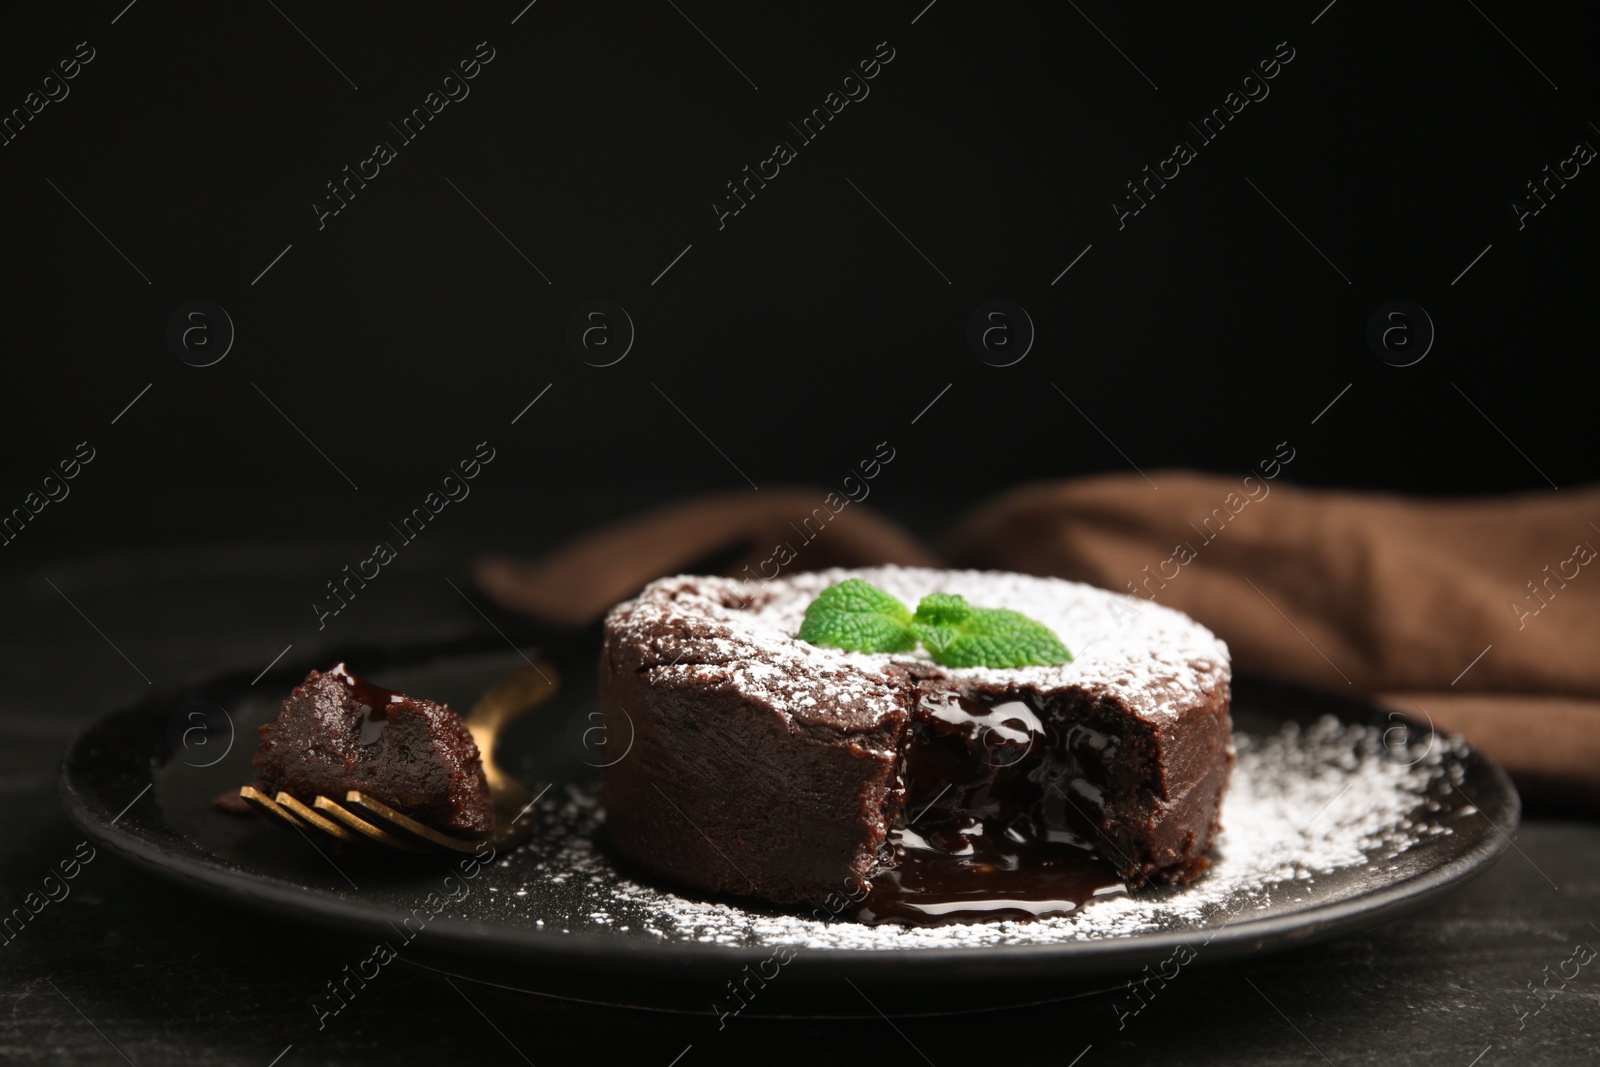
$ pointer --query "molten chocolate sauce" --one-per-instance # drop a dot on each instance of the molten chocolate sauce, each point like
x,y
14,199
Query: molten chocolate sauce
x,y
995,823
375,699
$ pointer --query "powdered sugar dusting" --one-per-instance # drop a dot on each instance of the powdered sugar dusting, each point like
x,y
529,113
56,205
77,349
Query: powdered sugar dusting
x,y
1152,659
1325,805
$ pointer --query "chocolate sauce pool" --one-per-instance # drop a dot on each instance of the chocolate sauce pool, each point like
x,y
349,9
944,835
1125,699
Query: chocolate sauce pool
x,y
994,824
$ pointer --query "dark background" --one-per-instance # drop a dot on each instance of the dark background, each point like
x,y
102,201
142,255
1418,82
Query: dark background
x,y
808,330
795,339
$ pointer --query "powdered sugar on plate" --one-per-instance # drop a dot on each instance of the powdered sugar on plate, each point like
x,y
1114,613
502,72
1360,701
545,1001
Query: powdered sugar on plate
x,y
1313,814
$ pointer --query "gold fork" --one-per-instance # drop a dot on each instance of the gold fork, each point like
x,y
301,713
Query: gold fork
x,y
379,825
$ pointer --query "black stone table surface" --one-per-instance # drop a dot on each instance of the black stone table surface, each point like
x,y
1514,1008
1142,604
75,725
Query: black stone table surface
x,y
129,968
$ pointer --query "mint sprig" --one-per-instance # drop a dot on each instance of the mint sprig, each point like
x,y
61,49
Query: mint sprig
x,y
958,634
859,617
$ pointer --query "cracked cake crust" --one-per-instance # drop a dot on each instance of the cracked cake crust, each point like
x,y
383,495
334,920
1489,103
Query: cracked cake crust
x,y
764,766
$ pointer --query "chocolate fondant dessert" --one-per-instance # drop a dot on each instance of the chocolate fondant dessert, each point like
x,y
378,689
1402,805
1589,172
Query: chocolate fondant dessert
x,y
337,732
766,766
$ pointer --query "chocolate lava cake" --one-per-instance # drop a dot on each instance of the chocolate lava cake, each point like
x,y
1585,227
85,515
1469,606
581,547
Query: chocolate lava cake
x,y
765,766
338,732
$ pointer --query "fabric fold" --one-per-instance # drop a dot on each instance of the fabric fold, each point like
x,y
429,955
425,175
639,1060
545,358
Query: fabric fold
x,y
1478,613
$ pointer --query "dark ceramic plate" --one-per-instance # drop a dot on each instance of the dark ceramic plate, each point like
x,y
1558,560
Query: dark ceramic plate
x,y
1340,816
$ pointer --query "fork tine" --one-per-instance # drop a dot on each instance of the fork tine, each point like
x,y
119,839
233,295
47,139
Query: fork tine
x,y
268,807
393,821
362,826
320,821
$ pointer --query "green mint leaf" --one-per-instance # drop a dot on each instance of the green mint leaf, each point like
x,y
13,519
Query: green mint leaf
x,y
858,617
957,634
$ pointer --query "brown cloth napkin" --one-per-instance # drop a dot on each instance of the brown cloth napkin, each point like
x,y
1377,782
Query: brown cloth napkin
x,y
1478,615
